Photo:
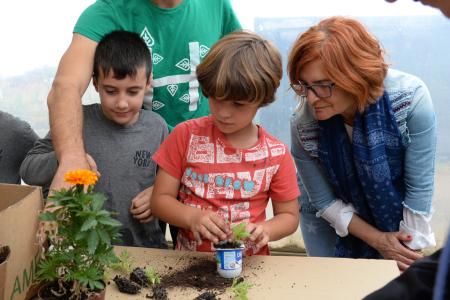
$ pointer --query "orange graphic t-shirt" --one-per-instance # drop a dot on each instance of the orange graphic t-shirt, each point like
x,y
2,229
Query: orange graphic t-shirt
x,y
235,183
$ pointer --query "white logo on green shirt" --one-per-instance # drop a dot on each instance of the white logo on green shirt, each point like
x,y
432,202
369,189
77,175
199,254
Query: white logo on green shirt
x,y
157,105
147,37
203,51
157,58
183,64
185,98
172,89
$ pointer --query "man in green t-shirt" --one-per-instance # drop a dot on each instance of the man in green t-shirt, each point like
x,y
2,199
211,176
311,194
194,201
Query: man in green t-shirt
x,y
179,34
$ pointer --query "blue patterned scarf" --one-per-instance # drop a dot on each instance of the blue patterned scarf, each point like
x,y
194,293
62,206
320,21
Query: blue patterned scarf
x,y
367,173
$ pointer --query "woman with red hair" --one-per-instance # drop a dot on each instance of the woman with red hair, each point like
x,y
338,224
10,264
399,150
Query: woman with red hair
x,y
364,141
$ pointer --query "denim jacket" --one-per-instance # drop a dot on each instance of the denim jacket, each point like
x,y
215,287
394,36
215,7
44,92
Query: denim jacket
x,y
414,113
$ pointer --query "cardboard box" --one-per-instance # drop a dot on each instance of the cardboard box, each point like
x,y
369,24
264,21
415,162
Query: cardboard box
x,y
19,209
4,256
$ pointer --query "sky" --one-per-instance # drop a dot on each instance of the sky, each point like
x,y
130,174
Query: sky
x,y
35,34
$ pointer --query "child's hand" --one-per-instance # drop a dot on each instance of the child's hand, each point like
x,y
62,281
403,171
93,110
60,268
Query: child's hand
x,y
258,235
140,205
209,225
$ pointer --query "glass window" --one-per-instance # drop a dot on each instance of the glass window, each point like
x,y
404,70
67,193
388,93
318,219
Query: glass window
x,y
415,38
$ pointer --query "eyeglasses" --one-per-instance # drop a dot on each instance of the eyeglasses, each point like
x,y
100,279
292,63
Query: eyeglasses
x,y
321,90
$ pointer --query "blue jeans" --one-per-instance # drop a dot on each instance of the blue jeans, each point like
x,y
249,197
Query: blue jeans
x,y
319,237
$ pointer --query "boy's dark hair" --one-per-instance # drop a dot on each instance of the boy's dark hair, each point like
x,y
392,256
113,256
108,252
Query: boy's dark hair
x,y
242,66
121,52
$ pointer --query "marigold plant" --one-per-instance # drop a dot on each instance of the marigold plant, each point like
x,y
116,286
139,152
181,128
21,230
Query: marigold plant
x,y
80,233
84,177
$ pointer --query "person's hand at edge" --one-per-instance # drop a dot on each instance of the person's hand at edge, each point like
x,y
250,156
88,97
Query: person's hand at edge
x,y
390,246
259,237
140,205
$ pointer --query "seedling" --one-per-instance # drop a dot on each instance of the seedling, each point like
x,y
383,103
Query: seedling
x,y
229,252
239,232
124,263
152,276
240,288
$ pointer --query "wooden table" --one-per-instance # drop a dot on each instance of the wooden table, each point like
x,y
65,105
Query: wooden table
x,y
276,277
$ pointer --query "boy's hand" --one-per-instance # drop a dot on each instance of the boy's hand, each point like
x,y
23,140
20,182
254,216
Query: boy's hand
x,y
209,225
258,235
140,205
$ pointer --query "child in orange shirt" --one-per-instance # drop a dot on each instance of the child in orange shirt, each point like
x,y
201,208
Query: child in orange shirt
x,y
222,169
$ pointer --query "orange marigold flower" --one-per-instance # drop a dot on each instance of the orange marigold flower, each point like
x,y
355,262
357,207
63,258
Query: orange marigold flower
x,y
85,177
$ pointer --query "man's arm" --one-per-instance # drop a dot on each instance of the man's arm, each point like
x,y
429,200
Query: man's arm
x,y
64,103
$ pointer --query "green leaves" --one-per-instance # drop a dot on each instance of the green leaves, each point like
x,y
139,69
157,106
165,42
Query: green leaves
x,y
123,263
47,216
89,223
240,288
109,222
92,241
47,270
89,277
104,236
97,202
152,276
239,232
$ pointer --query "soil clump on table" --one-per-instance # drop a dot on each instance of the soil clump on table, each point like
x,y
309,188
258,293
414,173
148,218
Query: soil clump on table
x,y
138,276
159,292
206,296
126,286
200,274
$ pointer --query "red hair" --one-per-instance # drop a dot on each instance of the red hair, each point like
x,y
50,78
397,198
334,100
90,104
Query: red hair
x,y
352,57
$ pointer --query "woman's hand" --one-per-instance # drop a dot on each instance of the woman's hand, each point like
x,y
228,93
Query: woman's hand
x,y
206,224
390,245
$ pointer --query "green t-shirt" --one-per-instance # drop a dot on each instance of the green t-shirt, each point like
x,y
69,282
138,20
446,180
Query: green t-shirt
x,y
179,39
